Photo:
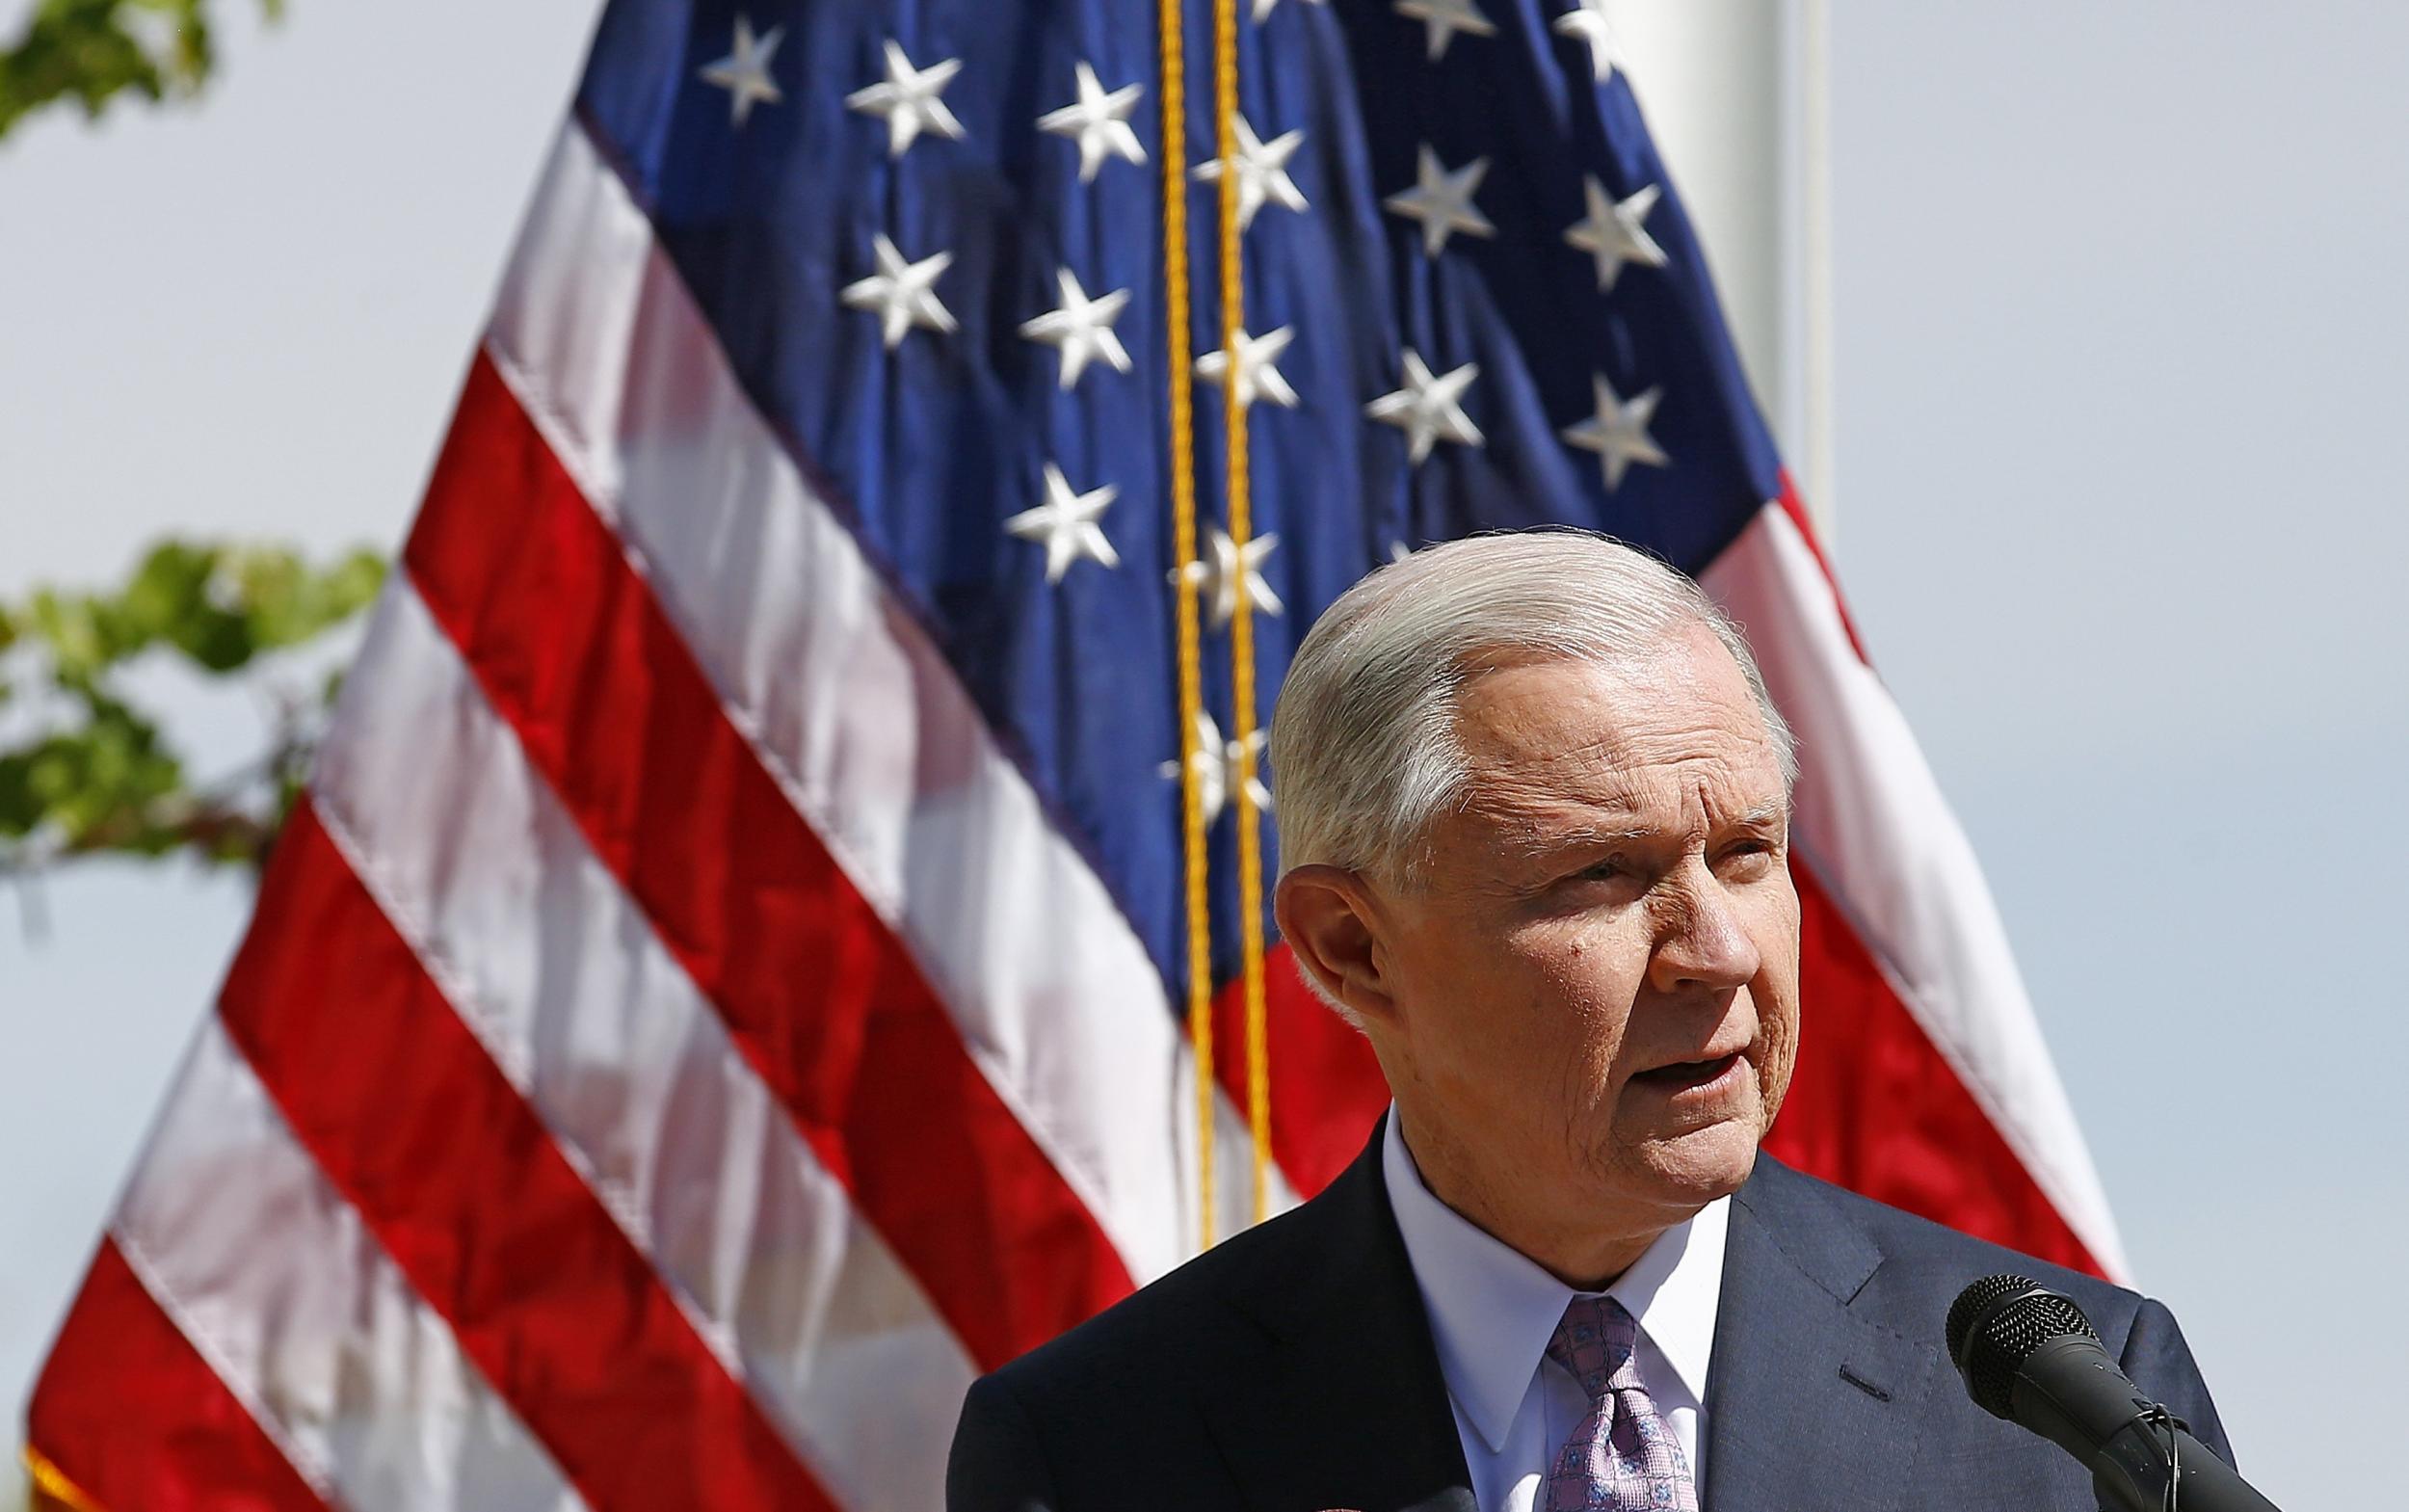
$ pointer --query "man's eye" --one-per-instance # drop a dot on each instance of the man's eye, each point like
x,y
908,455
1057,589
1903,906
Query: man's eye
x,y
1748,855
1606,870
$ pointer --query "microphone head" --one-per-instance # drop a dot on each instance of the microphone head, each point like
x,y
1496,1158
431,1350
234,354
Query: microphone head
x,y
1997,1323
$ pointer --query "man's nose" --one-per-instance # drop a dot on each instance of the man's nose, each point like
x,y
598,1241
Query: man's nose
x,y
1701,940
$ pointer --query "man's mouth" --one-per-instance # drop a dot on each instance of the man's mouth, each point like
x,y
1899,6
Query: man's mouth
x,y
1690,1074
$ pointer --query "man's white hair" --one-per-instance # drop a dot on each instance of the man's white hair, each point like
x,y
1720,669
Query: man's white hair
x,y
1364,746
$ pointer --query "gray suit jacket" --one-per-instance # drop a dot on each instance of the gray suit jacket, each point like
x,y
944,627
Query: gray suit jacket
x,y
1291,1369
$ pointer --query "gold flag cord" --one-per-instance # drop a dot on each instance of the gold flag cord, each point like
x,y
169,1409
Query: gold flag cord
x,y
1242,613
1174,158
52,1482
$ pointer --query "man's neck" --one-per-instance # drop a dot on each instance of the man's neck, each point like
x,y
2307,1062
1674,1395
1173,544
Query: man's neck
x,y
1566,1239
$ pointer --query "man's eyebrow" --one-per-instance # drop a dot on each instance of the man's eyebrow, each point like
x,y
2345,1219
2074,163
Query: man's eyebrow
x,y
1763,815
1567,836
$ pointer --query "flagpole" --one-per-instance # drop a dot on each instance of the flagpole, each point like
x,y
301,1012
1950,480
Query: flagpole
x,y
1806,251
1737,96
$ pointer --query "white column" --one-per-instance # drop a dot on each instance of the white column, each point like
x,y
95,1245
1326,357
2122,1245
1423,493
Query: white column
x,y
1735,91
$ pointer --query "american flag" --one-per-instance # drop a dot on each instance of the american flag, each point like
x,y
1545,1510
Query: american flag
x,y
727,985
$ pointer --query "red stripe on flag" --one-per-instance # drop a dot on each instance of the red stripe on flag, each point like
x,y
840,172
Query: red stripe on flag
x,y
1874,1107
464,1187
131,1412
570,644
1796,508
1326,1088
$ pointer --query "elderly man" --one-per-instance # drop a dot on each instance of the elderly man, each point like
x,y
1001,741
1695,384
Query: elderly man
x,y
1533,812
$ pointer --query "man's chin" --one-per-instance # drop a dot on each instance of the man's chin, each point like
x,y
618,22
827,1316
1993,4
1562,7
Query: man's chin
x,y
1696,1166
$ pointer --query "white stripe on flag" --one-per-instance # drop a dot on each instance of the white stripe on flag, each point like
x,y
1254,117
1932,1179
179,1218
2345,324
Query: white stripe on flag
x,y
561,976
858,716
1872,819
274,1278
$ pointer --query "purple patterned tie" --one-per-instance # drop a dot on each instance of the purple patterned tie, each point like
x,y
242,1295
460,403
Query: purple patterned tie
x,y
1622,1457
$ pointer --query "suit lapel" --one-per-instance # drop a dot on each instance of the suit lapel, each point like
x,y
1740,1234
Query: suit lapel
x,y
1351,1410
1809,1408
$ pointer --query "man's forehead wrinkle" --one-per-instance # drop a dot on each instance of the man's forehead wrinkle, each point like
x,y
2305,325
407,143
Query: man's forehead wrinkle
x,y
1539,755
1538,798
1514,826
1606,773
1579,734
1527,811
1552,762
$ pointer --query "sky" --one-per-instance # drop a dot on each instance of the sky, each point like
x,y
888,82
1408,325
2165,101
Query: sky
x,y
2121,335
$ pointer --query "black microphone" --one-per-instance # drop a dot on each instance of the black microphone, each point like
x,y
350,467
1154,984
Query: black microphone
x,y
2028,1355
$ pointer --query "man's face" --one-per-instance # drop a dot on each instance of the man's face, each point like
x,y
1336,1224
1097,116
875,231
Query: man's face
x,y
1595,981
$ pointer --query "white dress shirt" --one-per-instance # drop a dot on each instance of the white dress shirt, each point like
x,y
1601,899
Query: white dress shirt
x,y
1492,1311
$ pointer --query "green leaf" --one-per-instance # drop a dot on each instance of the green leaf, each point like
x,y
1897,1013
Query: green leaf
x,y
78,645
91,51
78,782
109,780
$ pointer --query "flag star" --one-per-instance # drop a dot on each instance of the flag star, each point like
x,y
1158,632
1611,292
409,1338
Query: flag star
x,y
1399,551
902,293
1222,767
1616,231
1066,525
1618,433
1258,376
1081,329
1586,22
1099,122
1427,408
1442,199
1444,18
745,72
1262,169
908,98
1228,570
1264,8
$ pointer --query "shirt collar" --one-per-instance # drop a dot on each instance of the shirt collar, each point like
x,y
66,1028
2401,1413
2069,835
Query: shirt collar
x,y
1493,1309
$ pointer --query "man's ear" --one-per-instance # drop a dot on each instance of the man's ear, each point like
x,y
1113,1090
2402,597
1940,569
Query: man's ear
x,y
1332,923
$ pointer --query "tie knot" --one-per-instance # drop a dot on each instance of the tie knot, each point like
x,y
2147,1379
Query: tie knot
x,y
1593,1341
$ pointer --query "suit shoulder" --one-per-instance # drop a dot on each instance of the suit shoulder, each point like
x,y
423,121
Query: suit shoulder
x,y
1076,1423
1924,1265
1201,1313
1915,1269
